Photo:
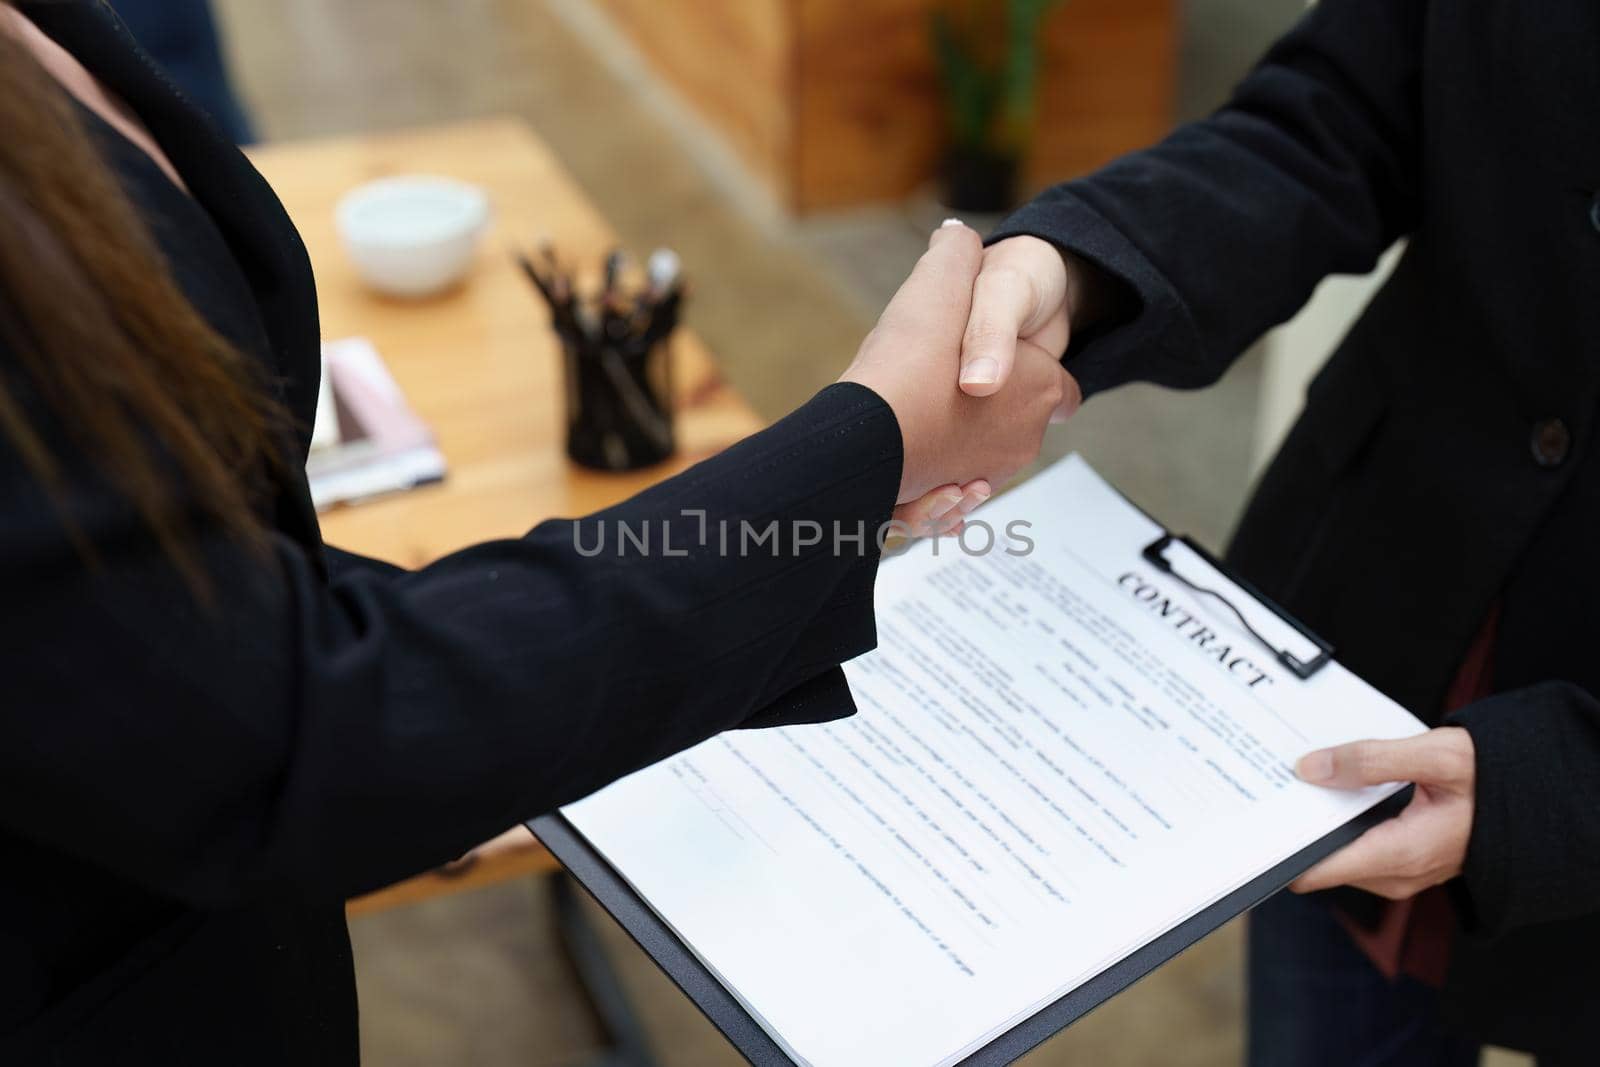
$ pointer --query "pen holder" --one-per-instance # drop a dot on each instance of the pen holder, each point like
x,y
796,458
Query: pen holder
x,y
619,401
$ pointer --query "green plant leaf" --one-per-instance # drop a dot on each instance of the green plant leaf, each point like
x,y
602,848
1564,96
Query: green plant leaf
x,y
990,107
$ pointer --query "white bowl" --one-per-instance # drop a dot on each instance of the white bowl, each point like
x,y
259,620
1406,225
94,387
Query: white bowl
x,y
412,236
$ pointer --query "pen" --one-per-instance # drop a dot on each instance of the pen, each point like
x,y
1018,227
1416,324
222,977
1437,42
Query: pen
x,y
614,262
536,278
614,324
557,293
561,285
662,272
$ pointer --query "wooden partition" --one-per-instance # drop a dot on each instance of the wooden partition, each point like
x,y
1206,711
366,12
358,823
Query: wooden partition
x,y
836,102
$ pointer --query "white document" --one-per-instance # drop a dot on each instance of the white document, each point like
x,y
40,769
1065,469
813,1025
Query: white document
x,y
1060,755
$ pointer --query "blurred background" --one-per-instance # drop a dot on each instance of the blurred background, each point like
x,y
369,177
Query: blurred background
x,y
796,153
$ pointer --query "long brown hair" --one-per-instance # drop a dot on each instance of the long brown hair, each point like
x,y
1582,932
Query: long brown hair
x,y
101,333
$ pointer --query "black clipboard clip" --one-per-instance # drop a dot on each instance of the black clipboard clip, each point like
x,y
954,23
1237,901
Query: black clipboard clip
x,y
1155,554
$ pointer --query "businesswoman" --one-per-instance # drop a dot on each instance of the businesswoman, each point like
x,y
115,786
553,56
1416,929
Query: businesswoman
x,y
214,728
1436,510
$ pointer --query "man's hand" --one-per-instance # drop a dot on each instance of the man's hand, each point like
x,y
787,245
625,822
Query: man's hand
x,y
911,359
1426,844
1027,291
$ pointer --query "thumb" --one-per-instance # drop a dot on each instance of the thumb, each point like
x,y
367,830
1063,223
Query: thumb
x,y
1362,763
1004,300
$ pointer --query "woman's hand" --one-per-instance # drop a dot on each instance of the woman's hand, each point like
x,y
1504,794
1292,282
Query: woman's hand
x,y
912,357
1028,292
943,510
1427,843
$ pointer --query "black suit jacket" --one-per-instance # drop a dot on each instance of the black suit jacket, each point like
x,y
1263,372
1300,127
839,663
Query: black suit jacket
x,y
188,796
1445,461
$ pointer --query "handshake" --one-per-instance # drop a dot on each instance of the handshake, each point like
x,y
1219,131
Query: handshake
x,y
967,355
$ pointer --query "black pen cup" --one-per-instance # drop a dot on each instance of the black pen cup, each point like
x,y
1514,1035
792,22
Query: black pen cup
x,y
619,401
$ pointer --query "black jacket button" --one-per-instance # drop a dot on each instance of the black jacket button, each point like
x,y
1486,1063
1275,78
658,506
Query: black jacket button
x,y
1551,442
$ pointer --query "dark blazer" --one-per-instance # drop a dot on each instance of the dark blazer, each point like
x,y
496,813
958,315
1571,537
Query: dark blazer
x,y
1445,462
188,796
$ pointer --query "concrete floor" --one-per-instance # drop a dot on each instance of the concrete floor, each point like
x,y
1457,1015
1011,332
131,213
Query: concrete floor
x,y
476,979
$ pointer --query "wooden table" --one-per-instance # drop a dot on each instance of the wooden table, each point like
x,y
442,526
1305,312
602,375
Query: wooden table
x,y
482,367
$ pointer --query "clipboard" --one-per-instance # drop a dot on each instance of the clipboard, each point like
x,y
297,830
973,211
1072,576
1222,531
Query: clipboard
x,y
1302,667
612,892
718,1004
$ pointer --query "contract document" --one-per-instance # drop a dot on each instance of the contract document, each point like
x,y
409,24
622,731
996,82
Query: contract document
x,y
1062,753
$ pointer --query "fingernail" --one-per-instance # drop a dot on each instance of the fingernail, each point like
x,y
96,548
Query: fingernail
x,y
1315,766
941,507
950,222
972,499
981,371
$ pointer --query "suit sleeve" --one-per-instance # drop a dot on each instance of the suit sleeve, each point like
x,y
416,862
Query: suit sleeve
x,y
1534,854
326,736
1224,229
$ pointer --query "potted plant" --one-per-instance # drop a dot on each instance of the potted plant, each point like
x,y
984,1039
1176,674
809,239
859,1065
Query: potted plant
x,y
988,56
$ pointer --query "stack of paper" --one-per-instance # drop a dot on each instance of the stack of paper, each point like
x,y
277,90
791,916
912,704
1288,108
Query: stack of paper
x,y
367,441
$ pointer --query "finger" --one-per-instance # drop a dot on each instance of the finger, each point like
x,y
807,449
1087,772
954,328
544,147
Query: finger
x,y
1393,888
1435,757
930,513
1037,371
1071,399
976,493
932,305
1004,299
1382,852
934,515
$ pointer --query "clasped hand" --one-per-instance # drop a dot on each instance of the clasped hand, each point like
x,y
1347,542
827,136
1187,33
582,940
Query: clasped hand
x,y
956,445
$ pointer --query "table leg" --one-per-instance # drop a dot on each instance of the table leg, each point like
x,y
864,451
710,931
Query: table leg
x,y
629,1045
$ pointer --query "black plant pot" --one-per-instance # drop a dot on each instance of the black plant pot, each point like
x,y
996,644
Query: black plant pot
x,y
979,180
